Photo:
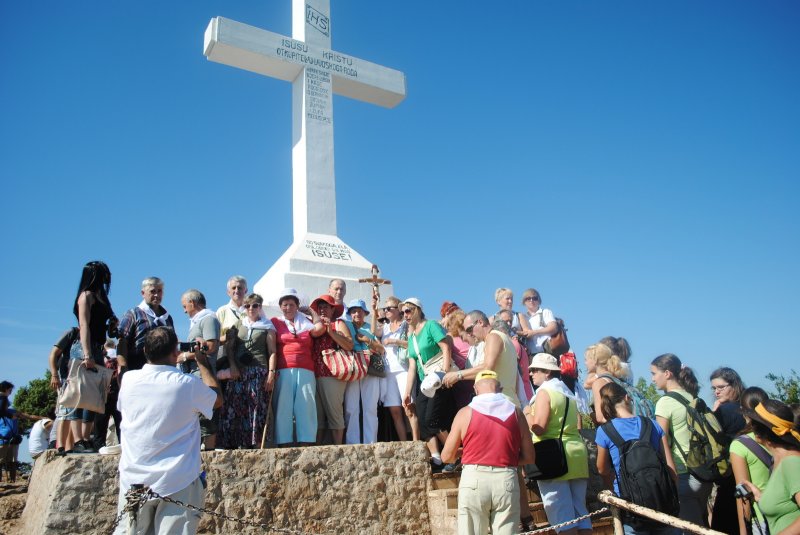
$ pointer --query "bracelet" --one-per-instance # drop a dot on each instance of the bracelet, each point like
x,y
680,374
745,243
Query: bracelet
x,y
272,371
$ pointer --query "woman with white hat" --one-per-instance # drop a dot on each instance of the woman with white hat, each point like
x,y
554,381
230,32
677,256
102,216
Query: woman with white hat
x,y
552,409
295,386
426,339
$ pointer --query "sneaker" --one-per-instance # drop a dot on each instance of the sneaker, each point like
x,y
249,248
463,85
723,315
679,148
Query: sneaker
x,y
83,446
452,468
110,450
436,468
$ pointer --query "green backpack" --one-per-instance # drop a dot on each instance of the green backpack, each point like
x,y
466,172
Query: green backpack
x,y
707,458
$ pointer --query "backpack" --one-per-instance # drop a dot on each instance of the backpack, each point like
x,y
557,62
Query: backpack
x,y
643,476
707,458
641,405
569,365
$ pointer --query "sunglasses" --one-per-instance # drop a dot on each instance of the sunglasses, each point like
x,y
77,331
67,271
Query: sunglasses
x,y
407,311
387,309
383,320
532,298
468,330
253,305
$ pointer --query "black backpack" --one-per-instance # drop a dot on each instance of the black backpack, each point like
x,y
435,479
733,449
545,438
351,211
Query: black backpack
x,y
643,475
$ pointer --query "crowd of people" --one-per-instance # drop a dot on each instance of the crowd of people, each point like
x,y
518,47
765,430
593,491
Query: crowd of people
x,y
483,391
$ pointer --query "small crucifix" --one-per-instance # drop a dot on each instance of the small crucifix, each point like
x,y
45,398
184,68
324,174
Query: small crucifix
x,y
376,282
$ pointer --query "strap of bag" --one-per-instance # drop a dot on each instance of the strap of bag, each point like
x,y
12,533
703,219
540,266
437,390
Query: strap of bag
x,y
416,348
564,421
647,429
757,450
677,397
612,433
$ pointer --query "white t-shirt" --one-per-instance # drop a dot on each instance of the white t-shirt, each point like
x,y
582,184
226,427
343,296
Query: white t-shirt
x,y
39,438
392,350
541,318
160,427
475,355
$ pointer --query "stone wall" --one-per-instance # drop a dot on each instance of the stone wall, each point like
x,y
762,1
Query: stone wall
x,y
371,489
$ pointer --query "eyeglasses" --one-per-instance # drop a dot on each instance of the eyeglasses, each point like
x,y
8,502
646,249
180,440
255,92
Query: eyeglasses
x,y
531,298
387,309
468,330
407,311
719,388
253,305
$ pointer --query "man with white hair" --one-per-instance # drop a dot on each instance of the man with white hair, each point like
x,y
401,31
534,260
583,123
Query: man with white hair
x,y
496,442
203,325
230,313
136,322
499,356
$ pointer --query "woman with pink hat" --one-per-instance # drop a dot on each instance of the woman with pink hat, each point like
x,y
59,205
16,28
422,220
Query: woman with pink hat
x,y
330,390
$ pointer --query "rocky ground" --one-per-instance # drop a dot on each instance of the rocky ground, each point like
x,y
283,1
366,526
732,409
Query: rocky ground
x,y
12,502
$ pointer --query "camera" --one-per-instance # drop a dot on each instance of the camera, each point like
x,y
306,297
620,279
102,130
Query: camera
x,y
191,347
742,492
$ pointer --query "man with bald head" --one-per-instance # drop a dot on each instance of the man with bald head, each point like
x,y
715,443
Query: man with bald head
x,y
496,441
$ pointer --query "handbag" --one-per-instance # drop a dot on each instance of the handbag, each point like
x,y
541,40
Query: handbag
x,y
346,365
551,458
435,363
86,388
558,344
376,367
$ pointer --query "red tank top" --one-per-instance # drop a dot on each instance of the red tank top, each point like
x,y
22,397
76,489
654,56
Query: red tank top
x,y
491,442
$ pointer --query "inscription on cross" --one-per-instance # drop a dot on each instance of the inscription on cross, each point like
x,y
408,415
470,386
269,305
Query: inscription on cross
x,y
316,73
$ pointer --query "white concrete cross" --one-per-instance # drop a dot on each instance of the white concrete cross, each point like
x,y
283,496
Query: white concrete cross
x,y
316,72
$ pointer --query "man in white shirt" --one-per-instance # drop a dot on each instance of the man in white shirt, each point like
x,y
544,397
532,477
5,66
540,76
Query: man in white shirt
x,y
161,435
39,438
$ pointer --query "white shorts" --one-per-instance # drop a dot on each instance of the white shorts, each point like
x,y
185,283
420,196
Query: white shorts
x,y
391,387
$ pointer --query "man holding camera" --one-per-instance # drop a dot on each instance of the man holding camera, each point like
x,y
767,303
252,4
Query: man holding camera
x,y
203,325
161,434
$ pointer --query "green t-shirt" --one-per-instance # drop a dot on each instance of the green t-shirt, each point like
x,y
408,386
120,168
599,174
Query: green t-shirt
x,y
575,448
777,500
759,472
679,434
428,341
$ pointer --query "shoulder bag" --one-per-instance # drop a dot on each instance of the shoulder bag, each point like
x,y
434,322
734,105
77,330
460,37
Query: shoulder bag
x,y
86,388
435,363
346,365
557,344
551,458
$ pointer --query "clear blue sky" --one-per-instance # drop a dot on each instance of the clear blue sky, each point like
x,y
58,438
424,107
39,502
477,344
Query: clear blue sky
x,y
637,162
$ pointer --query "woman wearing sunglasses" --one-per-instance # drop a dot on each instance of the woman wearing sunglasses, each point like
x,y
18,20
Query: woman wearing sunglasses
x,y
426,339
250,376
541,322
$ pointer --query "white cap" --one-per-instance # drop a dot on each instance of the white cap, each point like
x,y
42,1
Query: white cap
x,y
431,383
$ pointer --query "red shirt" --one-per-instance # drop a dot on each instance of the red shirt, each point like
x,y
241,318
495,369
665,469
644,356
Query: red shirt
x,y
294,349
491,442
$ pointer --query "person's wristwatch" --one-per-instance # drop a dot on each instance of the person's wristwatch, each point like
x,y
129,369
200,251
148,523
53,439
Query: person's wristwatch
x,y
460,375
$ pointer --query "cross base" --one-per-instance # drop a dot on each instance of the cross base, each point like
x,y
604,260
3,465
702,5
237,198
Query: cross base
x,y
310,264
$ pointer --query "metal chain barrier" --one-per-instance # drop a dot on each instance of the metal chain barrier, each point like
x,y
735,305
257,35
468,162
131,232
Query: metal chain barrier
x,y
567,523
136,497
